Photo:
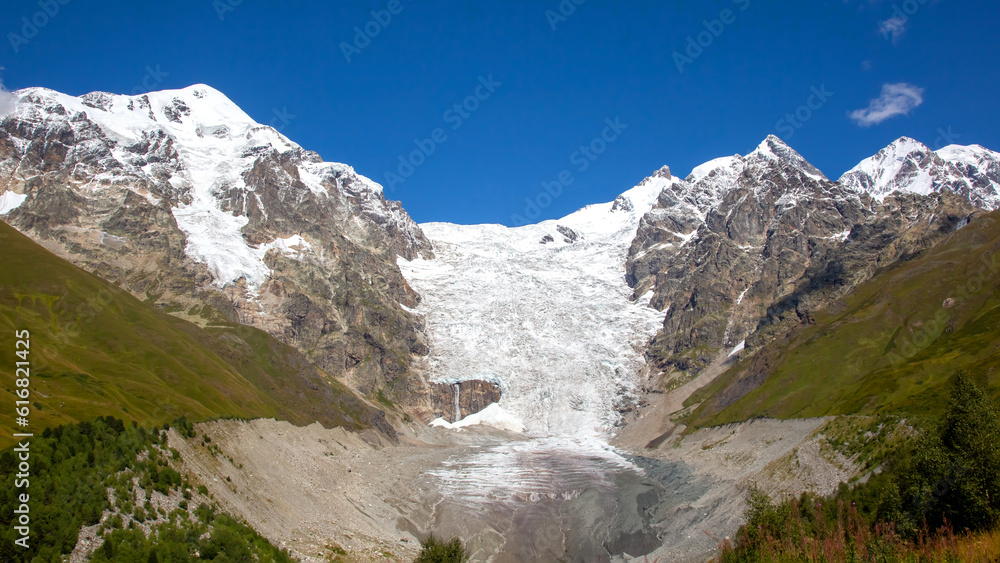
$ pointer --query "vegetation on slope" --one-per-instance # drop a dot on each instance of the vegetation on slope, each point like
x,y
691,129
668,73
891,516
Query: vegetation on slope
x,y
205,537
944,480
118,479
888,346
96,350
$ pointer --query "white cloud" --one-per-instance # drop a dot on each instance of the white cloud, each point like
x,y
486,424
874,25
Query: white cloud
x,y
896,99
893,28
7,100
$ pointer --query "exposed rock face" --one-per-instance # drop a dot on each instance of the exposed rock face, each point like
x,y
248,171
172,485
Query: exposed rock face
x,y
473,396
183,200
748,244
569,235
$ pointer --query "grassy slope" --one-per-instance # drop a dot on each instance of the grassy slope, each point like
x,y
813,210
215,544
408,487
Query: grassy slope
x,y
96,351
889,346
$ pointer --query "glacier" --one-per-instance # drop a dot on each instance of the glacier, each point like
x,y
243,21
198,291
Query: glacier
x,y
543,310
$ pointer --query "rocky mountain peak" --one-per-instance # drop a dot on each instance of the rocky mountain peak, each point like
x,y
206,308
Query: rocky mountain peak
x,y
774,150
743,239
773,171
663,172
773,146
214,165
907,165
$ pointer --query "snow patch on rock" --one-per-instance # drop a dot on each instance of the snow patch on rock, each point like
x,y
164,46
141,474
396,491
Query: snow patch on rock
x,y
10,201
494,415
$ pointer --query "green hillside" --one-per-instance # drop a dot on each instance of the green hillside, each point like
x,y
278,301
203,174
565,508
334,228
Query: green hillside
x,y
98,351
891,345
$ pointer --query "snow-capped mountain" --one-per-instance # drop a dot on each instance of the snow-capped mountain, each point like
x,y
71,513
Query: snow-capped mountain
x,y
747,243
183,199
737,231
907,165
683,206
197,149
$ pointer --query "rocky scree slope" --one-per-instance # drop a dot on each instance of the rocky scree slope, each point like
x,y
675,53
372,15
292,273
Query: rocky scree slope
x,y
183,200
748,247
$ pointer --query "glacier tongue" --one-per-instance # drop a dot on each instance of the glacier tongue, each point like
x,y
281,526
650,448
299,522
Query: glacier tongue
x,y
551,322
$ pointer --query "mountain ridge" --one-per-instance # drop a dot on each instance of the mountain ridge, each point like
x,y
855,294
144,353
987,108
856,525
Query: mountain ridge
x,y
891,345
746,244
182,199
908,165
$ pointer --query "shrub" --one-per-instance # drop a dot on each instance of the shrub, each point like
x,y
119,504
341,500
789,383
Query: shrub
x,y
434,551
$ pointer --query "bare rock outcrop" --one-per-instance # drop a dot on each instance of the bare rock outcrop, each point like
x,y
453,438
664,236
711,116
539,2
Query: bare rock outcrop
x,y
454,401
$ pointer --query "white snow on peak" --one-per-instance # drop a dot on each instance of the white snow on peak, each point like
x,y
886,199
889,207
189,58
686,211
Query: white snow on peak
x,y
897,167
774,149
976,169
603,220
207,105
771,149
972,155
552,322
703,170
187,111
898,151
765,147
216,142
907,165
689,202
10,201
889,160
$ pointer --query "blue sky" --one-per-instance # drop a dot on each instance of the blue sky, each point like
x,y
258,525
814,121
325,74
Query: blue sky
x,y
550,76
